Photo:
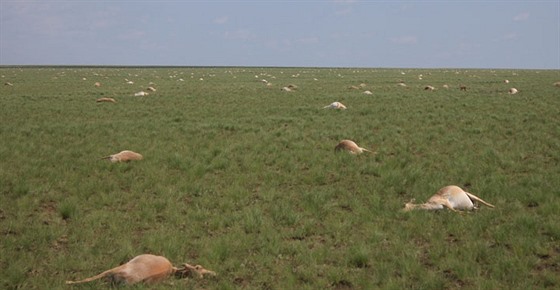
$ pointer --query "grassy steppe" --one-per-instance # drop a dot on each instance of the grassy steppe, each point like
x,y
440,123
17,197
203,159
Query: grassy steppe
x,y
242,178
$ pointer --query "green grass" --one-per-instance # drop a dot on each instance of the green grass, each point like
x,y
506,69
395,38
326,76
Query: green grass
x,y
243,179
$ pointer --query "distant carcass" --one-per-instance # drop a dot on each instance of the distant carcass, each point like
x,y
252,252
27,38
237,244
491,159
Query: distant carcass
x,y
350,146
124,156
109,100
286,89
141,94
335,105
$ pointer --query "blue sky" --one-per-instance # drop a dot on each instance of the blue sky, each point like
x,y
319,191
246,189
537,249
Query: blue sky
x,y
304,33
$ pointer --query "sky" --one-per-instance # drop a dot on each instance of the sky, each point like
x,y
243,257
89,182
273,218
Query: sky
x,y
303,33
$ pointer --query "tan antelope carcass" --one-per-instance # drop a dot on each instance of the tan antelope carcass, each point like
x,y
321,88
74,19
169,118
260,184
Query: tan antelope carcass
x,y
336,106
351,147
124,156
107,100
513,91
141,94
146,268
452,197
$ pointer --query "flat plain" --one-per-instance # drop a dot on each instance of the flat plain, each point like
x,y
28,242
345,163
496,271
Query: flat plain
x,y
241,176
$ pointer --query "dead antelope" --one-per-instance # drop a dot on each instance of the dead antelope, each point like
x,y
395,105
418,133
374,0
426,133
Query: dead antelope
x,y
513,91
286,89
146,268
124,156
429,88
141,94
452,197
110,100
350,146
151,89
335,105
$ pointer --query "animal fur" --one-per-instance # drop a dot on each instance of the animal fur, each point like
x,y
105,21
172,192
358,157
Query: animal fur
x,y
124,156
350,146
146,268
451,197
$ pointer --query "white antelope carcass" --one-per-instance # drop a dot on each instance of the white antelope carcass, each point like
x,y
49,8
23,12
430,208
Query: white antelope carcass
x,y
335,105
151,89
108,100
513,91
351,147
146,268
141,94
124,156
367,93
429,88
506,81
451,197
286,89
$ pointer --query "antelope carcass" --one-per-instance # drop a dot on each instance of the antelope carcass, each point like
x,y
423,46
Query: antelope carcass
x,y
146,268
451,197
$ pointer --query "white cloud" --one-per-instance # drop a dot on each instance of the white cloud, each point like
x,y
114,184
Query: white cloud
x,y
240,34
221,20
407,39
521,16
132,35
507,37
308,40
345,11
